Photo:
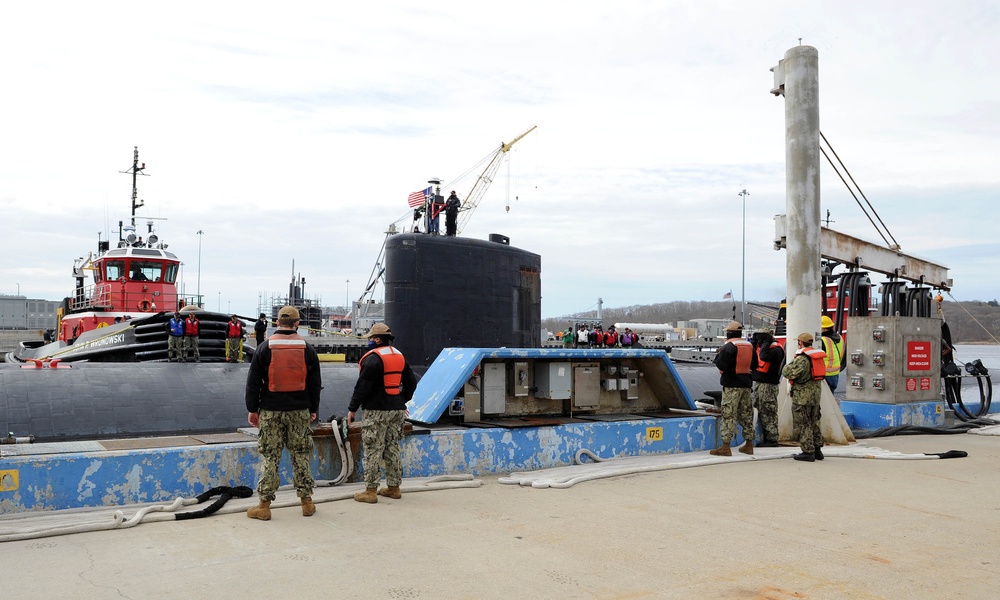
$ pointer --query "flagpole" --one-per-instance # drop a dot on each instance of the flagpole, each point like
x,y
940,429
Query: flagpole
x,y
743,296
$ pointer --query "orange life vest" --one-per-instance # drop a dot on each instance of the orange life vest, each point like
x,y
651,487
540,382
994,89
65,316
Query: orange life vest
x,y
235,329
392,368
744,355
817,359
762,365
287,371
191,326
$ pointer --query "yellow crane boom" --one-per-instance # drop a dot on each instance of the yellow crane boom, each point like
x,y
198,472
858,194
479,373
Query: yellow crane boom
x,y
485,179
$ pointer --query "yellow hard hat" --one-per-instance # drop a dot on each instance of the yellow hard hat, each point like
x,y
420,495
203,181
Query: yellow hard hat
x,y
826,322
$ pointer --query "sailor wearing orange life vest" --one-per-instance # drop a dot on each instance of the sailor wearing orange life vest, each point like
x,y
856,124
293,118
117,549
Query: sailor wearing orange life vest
x,y
805,374
282,397
234,340
736,362
385,384
192,332
767,375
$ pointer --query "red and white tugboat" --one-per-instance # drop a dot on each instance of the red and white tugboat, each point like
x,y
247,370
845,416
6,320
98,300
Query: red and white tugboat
x,y
121,314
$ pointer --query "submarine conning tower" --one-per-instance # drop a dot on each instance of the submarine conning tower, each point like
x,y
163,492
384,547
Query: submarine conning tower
x,y
443,291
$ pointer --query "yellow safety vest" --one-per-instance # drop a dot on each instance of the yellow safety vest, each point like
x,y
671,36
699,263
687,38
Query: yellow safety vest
x,y
834,352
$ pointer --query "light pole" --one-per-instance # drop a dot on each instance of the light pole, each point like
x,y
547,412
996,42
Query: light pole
x,y
200,233
743,292
25,307
347,296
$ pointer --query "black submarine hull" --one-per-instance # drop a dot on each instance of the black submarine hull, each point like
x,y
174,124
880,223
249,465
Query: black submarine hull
x,y
94,400
453,292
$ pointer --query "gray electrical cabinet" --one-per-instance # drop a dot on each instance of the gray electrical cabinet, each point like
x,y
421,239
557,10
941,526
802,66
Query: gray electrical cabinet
x,y
473,396
632,390
494,388
520,380
892,360
587,386
554,380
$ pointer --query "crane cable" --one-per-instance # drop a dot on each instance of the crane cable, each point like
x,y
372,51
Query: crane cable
x,y
959,304
894,244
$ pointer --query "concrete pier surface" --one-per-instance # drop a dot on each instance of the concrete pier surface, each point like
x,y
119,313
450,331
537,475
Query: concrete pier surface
x,y
768,529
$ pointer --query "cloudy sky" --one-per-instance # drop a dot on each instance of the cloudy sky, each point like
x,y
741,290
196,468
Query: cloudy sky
x,y
294,132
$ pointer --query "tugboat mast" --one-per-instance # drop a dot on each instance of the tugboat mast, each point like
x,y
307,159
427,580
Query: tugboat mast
x,y
135,171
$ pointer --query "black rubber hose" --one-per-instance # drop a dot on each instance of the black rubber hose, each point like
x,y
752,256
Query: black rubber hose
x,y
225,493
963,427
954,395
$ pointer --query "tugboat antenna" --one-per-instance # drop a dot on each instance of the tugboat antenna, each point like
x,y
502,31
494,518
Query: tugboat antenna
x,y
136,170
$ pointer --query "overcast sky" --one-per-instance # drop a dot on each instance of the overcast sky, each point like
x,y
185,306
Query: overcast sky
x,y
294,132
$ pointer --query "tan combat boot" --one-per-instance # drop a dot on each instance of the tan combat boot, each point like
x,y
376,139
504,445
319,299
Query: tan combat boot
x,y
308,508
722,450
747,447
391,492
368,496
262,511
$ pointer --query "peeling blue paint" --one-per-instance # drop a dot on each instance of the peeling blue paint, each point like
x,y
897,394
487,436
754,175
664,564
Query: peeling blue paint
x,y
498,450
111,478
871,415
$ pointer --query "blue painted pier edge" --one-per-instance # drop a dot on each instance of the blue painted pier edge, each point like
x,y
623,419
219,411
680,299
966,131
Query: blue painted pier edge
x,y
42,482
500,450
39,482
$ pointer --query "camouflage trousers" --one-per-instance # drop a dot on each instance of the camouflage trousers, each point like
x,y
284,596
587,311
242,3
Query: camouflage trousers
x,y
805,421
175,346
381,432
234,349
765,400
281,429
191,342
736,407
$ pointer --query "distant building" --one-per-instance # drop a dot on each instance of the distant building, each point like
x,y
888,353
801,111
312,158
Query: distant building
x,y
21,312
710,329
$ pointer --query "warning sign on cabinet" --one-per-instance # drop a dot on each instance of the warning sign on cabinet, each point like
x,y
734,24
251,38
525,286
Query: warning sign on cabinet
x,y
918,356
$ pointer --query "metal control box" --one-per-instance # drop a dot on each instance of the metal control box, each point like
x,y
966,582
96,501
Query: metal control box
x,y
905,363
494,388
587,386
473,399
632,391
520,380
554,380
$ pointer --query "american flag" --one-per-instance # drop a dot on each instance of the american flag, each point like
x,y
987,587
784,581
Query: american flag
x,y
727,295
417,198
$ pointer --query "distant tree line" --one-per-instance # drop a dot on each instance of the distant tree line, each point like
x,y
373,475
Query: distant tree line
x,y
970,322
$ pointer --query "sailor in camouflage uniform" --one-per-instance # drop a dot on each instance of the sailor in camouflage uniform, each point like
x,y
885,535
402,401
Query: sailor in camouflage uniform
x,y
282,396
385,384
805,374
735,361
766,377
